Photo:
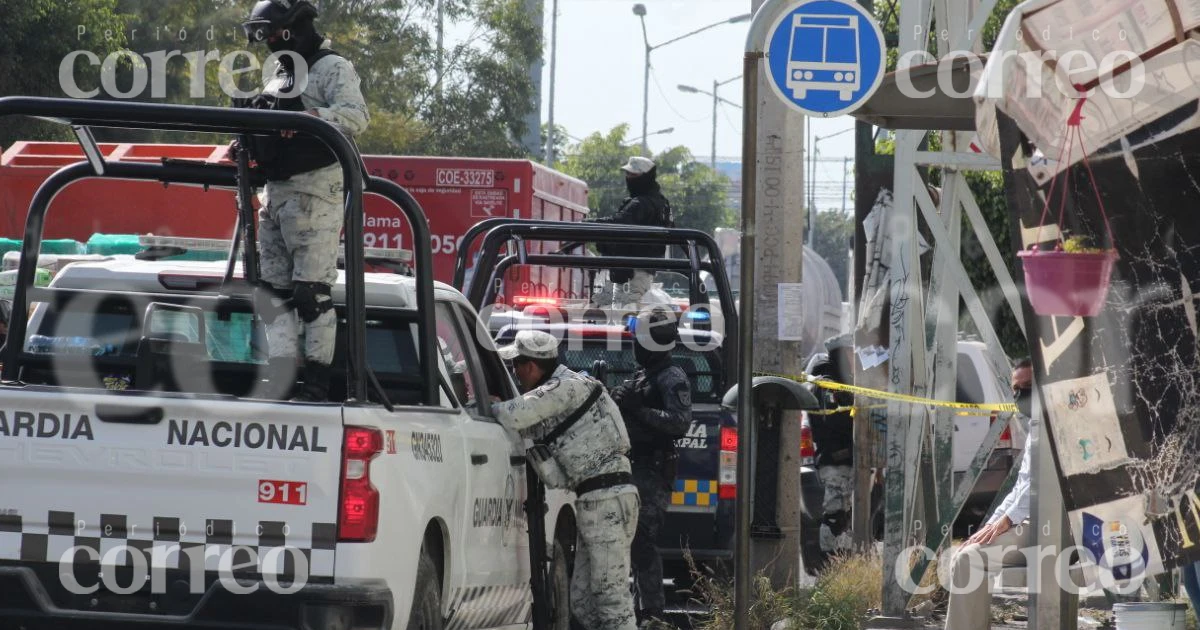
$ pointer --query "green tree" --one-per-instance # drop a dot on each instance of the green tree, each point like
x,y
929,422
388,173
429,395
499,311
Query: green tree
x,y
832,240
36,37
697,192
888,14
988,190
475,106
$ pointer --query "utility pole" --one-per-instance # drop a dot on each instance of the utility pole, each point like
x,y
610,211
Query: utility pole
x,y
778,256
717,100
712,163
549,155
845,181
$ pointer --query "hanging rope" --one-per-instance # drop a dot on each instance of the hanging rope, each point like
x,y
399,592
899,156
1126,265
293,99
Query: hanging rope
x,y
1074,134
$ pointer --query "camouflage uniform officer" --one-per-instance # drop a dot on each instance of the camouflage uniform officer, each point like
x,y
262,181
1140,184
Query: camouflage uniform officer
x,y
301,216
580,444
657,408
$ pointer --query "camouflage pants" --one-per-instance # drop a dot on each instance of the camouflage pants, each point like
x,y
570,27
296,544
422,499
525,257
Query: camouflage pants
x,y
839,494
624,293
600,597
647,563
299,230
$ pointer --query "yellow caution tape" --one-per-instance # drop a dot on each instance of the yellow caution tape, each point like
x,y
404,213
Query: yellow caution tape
x,y
882,395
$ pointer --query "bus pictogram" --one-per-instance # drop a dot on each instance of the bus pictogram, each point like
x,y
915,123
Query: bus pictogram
x,y
824,55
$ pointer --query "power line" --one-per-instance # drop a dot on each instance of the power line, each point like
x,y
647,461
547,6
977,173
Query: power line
x,y
654,75
732,125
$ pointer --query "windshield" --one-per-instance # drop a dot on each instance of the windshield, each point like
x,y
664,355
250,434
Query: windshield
x,y
704,369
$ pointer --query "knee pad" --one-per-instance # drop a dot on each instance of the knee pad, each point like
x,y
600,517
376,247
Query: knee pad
x,y
312,299
271,302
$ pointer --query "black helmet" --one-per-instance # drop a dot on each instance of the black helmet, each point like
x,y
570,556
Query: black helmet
x,y
662,326
269,16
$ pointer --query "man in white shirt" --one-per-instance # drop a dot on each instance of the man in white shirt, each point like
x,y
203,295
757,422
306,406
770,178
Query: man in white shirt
x,y
1001,539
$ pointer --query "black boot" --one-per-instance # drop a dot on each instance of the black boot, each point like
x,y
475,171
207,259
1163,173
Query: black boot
x,y
316,383
281,377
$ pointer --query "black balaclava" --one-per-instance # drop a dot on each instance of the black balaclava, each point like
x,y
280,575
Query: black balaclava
x,y
646,357
661,335
643,184
303,39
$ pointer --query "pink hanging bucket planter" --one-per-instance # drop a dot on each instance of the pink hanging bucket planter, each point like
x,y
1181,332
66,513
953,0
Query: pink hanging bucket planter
x,y
1069,281
1067,284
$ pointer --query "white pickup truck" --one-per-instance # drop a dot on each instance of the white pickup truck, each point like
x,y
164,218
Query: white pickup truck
x,y
147,485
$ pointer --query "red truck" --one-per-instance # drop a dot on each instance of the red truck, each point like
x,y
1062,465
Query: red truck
x,y
455,193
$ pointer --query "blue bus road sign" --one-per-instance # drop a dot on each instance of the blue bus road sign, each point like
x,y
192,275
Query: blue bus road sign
x,y
825,57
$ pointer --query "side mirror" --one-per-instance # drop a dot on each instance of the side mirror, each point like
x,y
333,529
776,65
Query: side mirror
x,y
174,322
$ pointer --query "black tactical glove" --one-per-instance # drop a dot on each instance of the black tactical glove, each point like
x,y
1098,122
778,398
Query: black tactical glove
x,y
626,398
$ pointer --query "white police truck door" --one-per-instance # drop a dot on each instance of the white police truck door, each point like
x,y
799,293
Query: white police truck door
x,y
494,593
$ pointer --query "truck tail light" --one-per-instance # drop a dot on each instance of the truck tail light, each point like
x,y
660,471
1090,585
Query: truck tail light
x,y
358,514
727,480
808,450
1005,440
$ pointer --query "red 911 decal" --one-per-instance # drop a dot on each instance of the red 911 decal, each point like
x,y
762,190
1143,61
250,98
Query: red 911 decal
x,y
285,492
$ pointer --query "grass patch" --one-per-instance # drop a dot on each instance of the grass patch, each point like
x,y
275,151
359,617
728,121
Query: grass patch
x,y
845,594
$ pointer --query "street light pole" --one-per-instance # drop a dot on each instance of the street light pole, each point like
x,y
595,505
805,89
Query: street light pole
x,y
655,133
717,100
549,154
639,10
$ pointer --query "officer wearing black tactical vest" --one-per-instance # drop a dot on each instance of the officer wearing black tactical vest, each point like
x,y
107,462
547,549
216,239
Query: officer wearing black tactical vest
x,y
646,205
657,408
300,220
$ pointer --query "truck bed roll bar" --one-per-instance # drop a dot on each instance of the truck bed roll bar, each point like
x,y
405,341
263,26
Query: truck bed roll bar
x,y
82,115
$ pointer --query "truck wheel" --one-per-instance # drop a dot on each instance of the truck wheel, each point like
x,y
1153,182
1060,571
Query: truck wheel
x,y
427,599
560,587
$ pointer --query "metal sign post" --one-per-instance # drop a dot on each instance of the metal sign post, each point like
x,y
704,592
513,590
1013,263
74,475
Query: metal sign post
x,y
825,58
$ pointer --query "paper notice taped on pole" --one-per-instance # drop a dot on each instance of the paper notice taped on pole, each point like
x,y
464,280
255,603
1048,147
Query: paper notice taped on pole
x,y
791,311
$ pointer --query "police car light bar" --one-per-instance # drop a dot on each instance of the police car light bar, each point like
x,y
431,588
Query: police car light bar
x,y
222,245
528,300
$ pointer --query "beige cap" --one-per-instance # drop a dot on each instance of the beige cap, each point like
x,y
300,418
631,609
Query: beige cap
x,y
532,344
638,165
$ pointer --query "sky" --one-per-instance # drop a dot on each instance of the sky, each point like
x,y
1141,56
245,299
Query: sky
x,y
599,78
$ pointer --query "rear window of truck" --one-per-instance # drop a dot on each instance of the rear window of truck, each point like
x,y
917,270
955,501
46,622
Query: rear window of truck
x,y
234,344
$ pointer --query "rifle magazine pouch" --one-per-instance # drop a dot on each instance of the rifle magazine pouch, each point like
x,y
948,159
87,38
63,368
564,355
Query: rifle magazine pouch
x,y
547,467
